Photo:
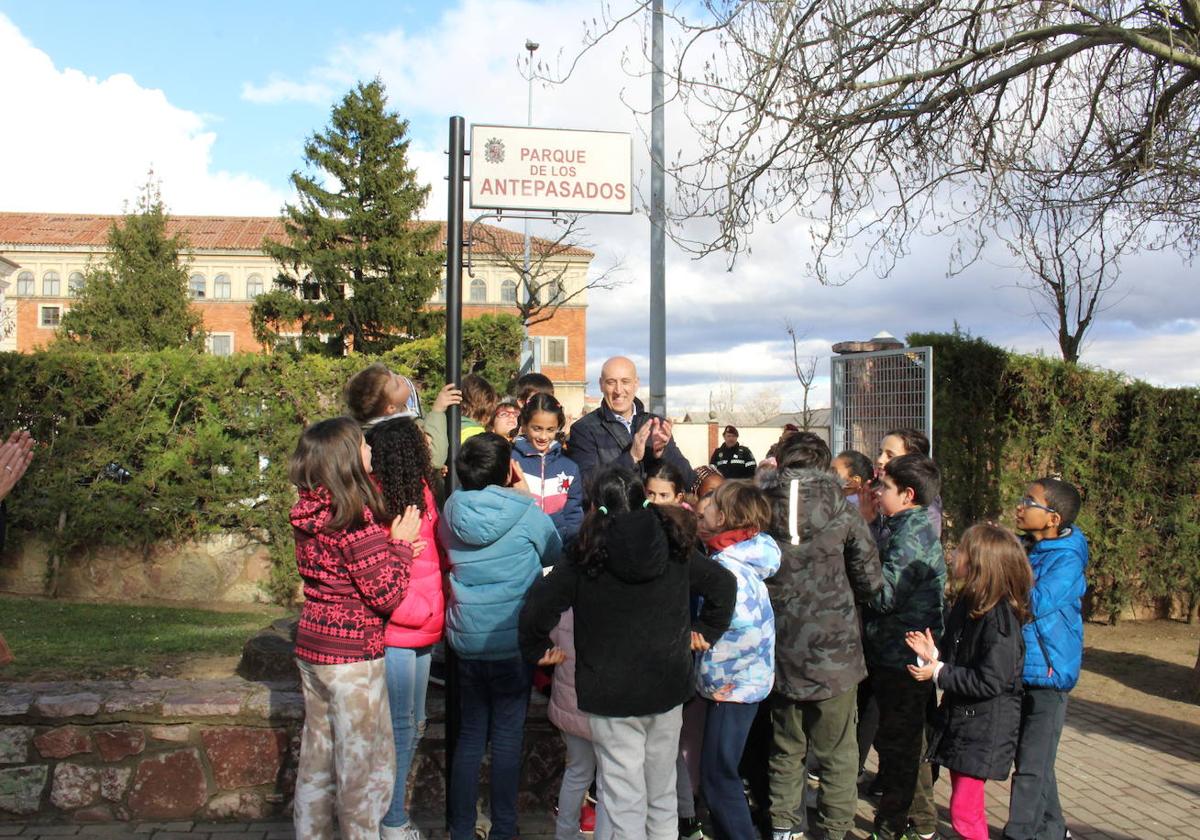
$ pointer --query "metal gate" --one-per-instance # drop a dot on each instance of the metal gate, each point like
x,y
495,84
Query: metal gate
x,y
875,392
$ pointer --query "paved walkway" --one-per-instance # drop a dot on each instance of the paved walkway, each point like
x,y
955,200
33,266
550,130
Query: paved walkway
x,y
1123,775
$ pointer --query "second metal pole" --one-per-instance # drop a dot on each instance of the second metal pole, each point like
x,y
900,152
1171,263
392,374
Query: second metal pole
x,y
658,215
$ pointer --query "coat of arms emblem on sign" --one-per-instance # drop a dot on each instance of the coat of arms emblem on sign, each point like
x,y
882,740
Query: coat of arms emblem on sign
x,y
493,150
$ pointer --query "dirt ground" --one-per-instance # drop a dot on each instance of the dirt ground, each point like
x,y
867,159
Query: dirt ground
x,y
1143,667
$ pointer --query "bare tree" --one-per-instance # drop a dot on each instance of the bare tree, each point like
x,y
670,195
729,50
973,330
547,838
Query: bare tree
x,y
806,372
538,294
1072,254
879,120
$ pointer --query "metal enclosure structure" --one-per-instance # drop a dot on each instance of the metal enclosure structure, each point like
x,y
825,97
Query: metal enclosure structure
x,y
874,392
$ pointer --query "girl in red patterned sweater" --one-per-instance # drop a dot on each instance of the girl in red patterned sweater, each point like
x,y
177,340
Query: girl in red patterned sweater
x,y
354,563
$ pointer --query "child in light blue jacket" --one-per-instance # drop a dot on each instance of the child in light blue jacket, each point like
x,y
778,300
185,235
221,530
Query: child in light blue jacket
x,y
737,672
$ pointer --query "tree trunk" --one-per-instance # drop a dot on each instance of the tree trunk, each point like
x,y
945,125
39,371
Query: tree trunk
x,y
1196,680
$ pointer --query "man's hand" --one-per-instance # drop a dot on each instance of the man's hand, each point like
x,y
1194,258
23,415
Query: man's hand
x,y
637,449
662,436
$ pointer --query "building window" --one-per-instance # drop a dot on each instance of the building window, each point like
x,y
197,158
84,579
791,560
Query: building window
x,y
440,294
508,292
309,289
74,283
49,316
197,286
50,284
25,283
254,286
556,352
219,344
222,287
478,291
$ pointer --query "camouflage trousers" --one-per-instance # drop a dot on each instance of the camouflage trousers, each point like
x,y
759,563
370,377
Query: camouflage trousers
x,y
347,753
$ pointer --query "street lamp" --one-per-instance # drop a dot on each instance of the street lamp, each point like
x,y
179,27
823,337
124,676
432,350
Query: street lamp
x,y
529,362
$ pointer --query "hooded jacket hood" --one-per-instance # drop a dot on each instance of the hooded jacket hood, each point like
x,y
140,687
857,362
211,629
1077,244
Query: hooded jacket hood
x,y
314,509
760,554
638,549
814,499
480,517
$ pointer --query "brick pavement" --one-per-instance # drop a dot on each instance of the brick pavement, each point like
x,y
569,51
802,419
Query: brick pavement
x,y
1123,775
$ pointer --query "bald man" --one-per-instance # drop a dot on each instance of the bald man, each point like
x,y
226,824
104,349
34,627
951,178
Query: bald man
x,y
621,431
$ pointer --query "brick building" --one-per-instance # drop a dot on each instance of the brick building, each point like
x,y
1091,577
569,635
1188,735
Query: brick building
x,y
47,255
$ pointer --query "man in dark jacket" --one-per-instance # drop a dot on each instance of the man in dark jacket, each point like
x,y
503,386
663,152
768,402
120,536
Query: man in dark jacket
x,y
830,564
731,459
621,432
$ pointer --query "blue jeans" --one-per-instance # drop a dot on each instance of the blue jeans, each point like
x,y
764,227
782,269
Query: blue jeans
x,y
407,683
493,697
725,731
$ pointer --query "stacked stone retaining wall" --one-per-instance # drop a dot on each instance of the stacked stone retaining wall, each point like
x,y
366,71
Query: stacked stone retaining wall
x,y
176,749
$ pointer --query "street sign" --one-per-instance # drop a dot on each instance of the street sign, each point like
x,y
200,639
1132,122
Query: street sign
x,y
519,168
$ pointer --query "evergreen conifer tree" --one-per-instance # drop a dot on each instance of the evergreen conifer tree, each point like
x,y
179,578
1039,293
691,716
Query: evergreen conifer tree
x,y
358,268
136,299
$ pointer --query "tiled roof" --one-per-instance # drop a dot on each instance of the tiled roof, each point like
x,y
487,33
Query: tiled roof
x,y
218,233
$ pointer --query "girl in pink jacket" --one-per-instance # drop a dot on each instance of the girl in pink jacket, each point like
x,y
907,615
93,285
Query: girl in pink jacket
x,y
401,462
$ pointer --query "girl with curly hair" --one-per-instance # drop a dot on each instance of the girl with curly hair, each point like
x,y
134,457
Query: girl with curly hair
x,y
401,462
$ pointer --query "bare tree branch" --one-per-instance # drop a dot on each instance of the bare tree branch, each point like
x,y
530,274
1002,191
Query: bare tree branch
x,y
806,372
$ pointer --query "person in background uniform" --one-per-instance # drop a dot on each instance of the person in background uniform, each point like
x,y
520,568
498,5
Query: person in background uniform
x,y
731,459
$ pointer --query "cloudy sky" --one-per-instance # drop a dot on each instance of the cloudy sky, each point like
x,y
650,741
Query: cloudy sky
x,y
218,97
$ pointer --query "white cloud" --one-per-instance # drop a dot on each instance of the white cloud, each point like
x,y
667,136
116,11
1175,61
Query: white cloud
x,y
282,90
84,144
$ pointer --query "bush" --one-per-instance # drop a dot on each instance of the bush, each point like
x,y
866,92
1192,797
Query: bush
x,y
141,448
1133,450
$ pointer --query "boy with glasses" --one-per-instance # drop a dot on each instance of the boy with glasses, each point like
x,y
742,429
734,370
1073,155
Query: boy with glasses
x,y
1058,553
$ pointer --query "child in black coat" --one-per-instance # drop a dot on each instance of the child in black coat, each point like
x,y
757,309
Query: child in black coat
x,y
979,670
630,578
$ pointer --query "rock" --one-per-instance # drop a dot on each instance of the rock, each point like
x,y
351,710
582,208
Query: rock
x,y
115,744
75,786
241,805
270,654
275,705
12,705
62,742
168,786
67,705
140,702
21,789
176,734
244,757
114,781
97,813
14,744
192,703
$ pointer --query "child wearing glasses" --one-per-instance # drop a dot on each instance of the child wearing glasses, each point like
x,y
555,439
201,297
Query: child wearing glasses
x,y
1058,554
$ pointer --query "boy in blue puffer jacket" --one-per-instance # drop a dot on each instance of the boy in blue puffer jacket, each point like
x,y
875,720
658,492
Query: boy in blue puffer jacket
x,y
497,541
1058,553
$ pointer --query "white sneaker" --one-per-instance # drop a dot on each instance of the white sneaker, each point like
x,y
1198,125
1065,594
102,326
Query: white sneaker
x,y
408,831
786,834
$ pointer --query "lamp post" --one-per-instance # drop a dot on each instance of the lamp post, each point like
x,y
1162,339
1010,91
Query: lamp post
x,y
528,357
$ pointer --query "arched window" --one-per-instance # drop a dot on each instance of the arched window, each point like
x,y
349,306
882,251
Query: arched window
x,y
197,286
508,291
51,284
254,286
75,283
222,287
478,291
25,283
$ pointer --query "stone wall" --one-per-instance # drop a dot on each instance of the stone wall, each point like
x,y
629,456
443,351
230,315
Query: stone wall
x,y
221,568
177,749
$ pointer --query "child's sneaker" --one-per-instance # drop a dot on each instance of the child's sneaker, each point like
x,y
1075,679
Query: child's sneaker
x,y
786,834
690,829
408,831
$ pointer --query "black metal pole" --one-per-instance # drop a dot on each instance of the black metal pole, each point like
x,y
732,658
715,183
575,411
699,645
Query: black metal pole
x,y
454,265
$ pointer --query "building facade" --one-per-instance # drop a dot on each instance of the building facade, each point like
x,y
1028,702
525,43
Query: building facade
x,y
47,256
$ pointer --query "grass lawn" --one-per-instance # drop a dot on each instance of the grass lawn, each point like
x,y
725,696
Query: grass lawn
x,y
61,640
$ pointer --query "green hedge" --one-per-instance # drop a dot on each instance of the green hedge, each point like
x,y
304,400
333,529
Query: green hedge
x,y
1133,450
205,440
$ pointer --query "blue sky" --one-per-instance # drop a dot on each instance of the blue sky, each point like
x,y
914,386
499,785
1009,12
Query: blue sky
x,y
219,96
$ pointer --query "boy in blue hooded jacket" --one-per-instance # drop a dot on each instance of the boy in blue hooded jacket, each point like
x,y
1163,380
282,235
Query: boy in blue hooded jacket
x,y
497,540
1058,553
